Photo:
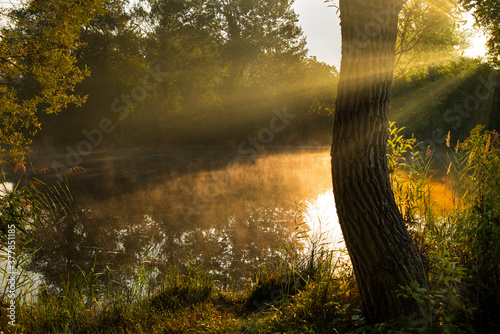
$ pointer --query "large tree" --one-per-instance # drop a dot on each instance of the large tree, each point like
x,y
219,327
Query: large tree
x,y
382,252
249,28
226,59
38,69
113,49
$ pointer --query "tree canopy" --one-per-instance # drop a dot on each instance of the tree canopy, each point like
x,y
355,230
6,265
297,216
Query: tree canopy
x,y
38,67
486,13
428,32
229,65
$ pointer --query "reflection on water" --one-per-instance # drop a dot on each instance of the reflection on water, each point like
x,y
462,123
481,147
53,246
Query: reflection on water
x,y
203,205
321,216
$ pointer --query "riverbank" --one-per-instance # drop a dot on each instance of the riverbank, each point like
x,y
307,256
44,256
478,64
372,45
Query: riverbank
x,y
292,291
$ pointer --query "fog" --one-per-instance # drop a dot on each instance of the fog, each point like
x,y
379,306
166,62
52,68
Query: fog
x,y
229,212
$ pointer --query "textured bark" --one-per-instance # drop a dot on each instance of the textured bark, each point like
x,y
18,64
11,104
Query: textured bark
x,y
381,250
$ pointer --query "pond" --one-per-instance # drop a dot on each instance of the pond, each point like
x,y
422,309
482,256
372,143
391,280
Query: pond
x,y
206,206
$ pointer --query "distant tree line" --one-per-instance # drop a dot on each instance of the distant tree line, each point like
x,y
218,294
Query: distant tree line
x,y
198,72
224,66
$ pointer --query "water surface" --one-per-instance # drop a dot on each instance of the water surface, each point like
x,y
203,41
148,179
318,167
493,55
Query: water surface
x,y
204,205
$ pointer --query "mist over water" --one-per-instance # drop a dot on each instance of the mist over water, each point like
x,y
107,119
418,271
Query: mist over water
x,y
209,205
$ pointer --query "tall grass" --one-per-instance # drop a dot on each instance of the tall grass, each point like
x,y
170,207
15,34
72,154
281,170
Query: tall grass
x,y
460,246
312,294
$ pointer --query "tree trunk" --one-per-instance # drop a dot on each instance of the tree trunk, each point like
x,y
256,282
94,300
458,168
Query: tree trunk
x,y
382,252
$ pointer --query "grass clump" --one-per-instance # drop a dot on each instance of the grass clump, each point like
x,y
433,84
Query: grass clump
x,y
185,304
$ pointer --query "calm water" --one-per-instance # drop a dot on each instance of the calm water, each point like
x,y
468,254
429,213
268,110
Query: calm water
x,y
203,206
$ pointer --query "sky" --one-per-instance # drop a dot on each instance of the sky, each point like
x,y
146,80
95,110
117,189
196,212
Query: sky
x,y
321,26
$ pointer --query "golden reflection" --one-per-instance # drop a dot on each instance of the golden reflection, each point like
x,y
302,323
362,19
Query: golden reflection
x,y
321,217
436,196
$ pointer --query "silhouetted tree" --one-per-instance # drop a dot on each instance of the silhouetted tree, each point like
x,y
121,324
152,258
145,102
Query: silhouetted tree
x,y
382,252
38,70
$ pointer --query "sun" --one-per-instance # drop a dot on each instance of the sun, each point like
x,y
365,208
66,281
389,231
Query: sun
x,y
478,46
478,39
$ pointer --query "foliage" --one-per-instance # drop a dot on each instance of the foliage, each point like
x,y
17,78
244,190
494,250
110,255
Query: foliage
x,y
167,298
221,83
38,70
24,208
219,86
230,63
14,211
314,292
428,32
458,97
410,175
459,248
254,50
136,306
480,223
214,86
29,202
486,14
